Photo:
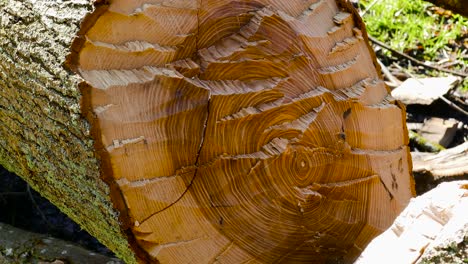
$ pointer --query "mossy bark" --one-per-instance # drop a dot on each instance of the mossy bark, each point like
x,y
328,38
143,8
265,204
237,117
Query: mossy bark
x,y
43,136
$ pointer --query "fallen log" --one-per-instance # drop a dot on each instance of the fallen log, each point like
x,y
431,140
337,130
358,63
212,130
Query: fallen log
x,y
204,131
447,163
424,144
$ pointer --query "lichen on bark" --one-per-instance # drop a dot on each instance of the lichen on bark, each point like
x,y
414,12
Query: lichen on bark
x,y
43,137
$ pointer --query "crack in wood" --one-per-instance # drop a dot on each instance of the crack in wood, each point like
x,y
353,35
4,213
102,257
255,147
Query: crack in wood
x,y
139,183
228,247
116,143
359,151
300,124
175,244
339,67
275,105
310,10
199,149
386,188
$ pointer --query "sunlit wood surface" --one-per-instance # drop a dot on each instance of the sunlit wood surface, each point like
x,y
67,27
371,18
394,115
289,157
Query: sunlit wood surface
x,y
245,131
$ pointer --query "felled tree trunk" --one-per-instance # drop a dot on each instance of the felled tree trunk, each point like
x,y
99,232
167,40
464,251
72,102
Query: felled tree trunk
x,y
220,131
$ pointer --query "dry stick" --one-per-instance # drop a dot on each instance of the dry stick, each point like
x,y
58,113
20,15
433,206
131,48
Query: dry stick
x,y
394,82
44,218
385,46
453,105
460,101
402,70
368,7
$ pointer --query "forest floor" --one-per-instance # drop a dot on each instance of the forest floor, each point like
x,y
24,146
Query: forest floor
x,y
428,34
415,40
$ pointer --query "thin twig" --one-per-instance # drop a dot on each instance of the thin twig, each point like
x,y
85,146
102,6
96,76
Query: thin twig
x,y
453,105
368,8
453,63
460,101
385,46
406,72
44,218
394,82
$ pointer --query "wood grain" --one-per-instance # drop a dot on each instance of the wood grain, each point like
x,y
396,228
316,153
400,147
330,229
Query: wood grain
x,y
245,131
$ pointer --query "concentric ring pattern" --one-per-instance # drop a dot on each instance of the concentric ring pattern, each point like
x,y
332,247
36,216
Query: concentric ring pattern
x,y
244,131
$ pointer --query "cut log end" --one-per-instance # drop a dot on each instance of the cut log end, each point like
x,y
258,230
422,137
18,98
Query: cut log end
x,y
243,132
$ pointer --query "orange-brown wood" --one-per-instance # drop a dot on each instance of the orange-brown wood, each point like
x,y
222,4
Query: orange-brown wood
x,y
244,131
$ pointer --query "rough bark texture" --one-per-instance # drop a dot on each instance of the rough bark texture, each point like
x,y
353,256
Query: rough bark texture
x,y
43,137
457,6
228,131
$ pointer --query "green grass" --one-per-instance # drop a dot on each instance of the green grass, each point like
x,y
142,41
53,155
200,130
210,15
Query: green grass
x,y
414,27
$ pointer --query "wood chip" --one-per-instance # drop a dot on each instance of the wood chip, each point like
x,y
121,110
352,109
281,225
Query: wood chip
x,y
423,91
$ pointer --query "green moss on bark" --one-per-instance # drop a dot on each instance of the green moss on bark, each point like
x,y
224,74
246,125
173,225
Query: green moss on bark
x,y
43,137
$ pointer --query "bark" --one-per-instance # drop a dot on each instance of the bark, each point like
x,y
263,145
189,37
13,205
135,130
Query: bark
x,y
457,6
43,137
230,131
424,144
